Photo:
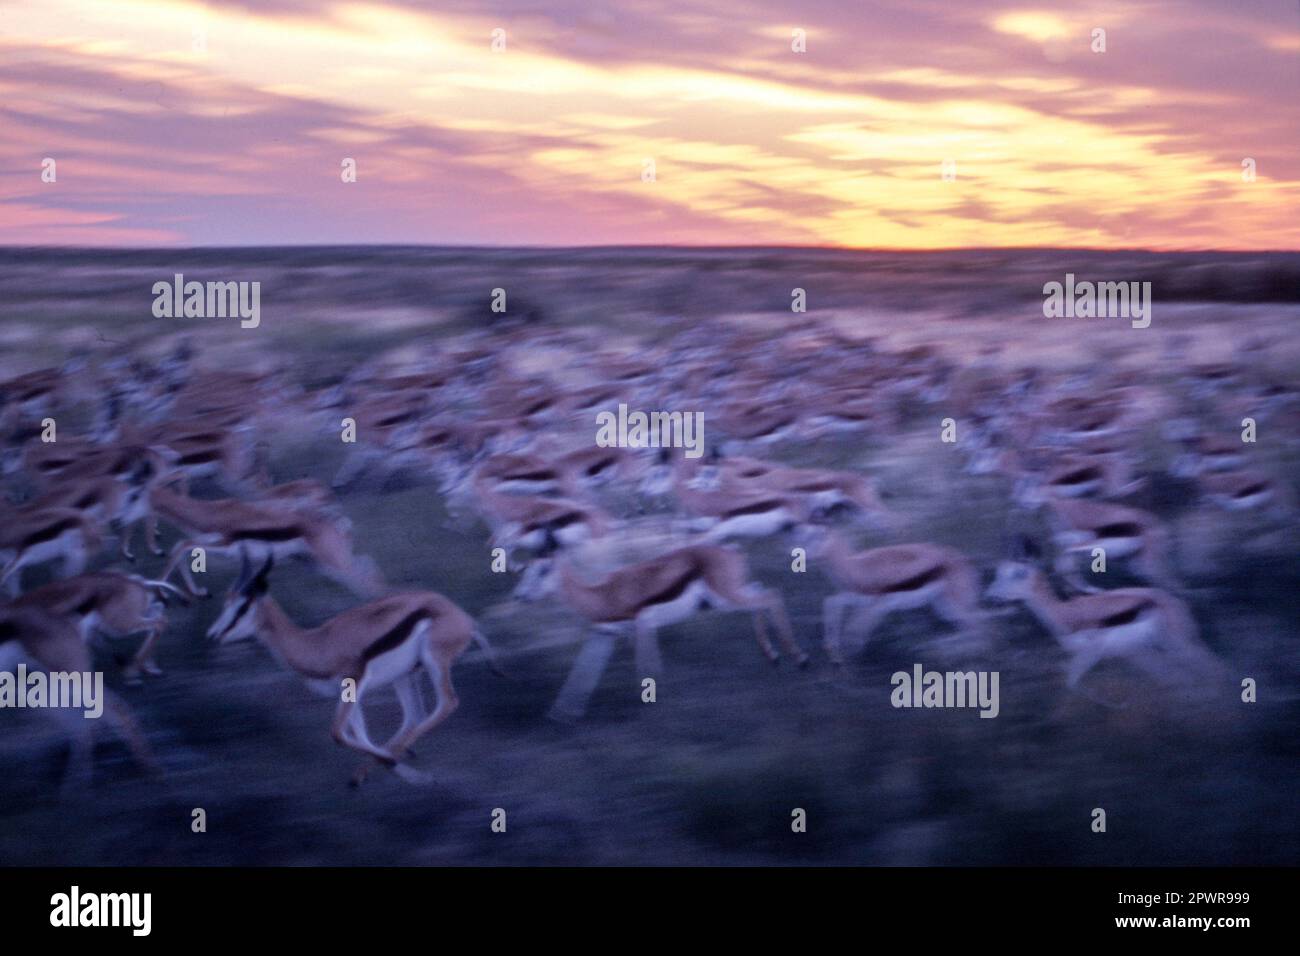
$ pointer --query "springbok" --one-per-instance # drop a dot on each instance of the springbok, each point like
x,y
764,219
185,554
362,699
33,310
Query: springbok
x,y
41,460
35,536
376,644
1079,526
824,490
756,513
1203,453
32,636
875,582
723,513
650,595
1242,490
387,426
110,603
518,474
538,523
120,502
72,455
1079,476
591,466
745,425
1148,627
269,527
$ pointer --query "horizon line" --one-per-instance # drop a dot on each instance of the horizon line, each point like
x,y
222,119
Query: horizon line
x,y
612,247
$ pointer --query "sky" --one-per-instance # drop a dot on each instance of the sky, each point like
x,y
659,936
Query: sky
x,y
177,123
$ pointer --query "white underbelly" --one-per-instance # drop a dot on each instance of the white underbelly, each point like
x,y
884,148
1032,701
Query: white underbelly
x,y
753,526
830,498
685,605
1116,640
1131,636
1120,547
522,487
49,550
390,665
1248,501
574,534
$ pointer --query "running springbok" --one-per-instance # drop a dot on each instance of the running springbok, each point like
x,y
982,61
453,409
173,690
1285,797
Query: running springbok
x,y
120,502
538,523
34,637
1148,627
114,604
824,490
650,595
878,581
376,644
1244,489
720,512
31,537
1079,526
1077,476
280,527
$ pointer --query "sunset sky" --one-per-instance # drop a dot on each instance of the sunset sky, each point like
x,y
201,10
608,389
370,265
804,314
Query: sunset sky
x,y
182,123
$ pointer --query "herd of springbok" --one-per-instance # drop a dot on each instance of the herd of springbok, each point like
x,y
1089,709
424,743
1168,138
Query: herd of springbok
x,y
500,426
